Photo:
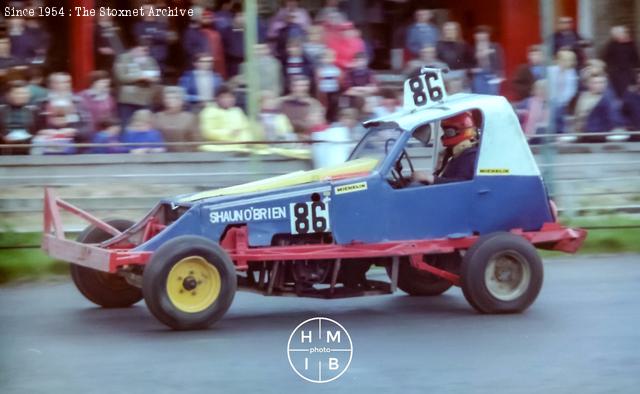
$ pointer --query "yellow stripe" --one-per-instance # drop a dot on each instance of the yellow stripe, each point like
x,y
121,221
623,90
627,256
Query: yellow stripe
x,y
295,178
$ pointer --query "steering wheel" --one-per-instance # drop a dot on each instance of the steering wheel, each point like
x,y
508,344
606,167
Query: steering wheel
x,y
399,180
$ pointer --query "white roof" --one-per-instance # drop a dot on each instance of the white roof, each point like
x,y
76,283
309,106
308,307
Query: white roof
x,y
504,149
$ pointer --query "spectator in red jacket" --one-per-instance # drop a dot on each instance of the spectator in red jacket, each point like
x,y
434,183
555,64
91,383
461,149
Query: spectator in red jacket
x,y
345,43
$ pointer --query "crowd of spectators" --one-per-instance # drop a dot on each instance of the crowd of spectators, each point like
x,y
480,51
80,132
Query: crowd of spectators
x,y
593,94
314,78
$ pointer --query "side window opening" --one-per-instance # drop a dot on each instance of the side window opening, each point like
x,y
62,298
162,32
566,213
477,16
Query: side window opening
x,y
443,151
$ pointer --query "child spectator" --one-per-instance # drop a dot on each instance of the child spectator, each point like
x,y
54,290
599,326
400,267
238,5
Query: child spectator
x,y
37,92
299,105
224,121
315,48
534,111
174,123
296,63
275,125
17,119
422,33
201,83
328,83
140,131
631,106
59,135
594,111
61,95
108,132
563,83
97,99
359,80
428,58
388,103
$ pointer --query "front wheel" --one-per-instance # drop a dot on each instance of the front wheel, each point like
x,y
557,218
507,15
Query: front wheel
x,y
501,273
189,283
103,288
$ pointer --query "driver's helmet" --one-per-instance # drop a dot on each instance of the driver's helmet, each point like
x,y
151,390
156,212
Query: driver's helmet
x,y
458,128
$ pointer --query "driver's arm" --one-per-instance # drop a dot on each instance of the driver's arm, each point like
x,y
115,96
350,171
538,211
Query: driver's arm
x,y
422,177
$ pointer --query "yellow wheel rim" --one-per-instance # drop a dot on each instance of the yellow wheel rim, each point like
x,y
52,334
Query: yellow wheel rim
x,y
193,284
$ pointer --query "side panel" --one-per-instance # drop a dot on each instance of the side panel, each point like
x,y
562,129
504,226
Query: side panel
x,y
508,202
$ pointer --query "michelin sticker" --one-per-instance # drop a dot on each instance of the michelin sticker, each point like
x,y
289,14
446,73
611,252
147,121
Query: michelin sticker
x,y
494,171
350,188
247,215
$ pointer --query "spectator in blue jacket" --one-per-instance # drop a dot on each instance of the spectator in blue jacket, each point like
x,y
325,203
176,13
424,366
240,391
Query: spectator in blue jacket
x,y
631,106
140,132
201,83
595,110
157,33
421,33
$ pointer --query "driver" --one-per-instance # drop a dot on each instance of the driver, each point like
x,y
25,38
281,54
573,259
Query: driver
x,y
460,140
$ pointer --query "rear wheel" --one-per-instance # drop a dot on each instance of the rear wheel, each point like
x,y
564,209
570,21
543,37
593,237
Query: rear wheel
x,y
103,288
501,273
189,283
420,283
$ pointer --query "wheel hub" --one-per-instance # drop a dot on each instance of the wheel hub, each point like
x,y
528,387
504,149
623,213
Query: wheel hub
x,y
507,276
189,283
193,284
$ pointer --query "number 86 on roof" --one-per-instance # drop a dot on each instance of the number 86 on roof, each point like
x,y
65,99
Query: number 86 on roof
x,y
424,90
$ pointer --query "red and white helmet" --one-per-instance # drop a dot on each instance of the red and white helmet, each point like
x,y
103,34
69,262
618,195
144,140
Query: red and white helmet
x,y
458,128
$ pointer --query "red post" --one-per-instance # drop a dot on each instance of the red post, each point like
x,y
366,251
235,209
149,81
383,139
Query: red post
x,y
520,29
81,43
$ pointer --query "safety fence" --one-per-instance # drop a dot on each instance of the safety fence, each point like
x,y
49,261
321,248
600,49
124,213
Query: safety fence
x,y
584,179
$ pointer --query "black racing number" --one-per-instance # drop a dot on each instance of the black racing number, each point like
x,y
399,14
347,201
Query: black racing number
x,y
417,87
309,217
435,92
318,221
301,211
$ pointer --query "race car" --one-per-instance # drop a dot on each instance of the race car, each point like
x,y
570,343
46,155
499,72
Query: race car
x,y
320,233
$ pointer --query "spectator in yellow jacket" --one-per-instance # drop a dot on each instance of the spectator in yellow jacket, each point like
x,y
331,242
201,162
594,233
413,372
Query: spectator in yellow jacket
x,y
224,122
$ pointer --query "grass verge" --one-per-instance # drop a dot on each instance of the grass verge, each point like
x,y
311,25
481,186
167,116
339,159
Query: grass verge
x,y
17,262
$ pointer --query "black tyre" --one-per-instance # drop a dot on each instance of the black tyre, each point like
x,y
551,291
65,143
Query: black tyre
x,y
501,273
419,283
102,288
189,283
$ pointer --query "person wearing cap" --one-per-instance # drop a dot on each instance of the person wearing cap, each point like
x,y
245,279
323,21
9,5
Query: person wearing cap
x,y
459,138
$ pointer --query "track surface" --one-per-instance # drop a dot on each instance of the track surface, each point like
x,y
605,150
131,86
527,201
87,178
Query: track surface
x,y
581,336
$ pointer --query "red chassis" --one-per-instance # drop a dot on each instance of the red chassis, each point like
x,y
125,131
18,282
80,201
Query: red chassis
x,y
116,253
